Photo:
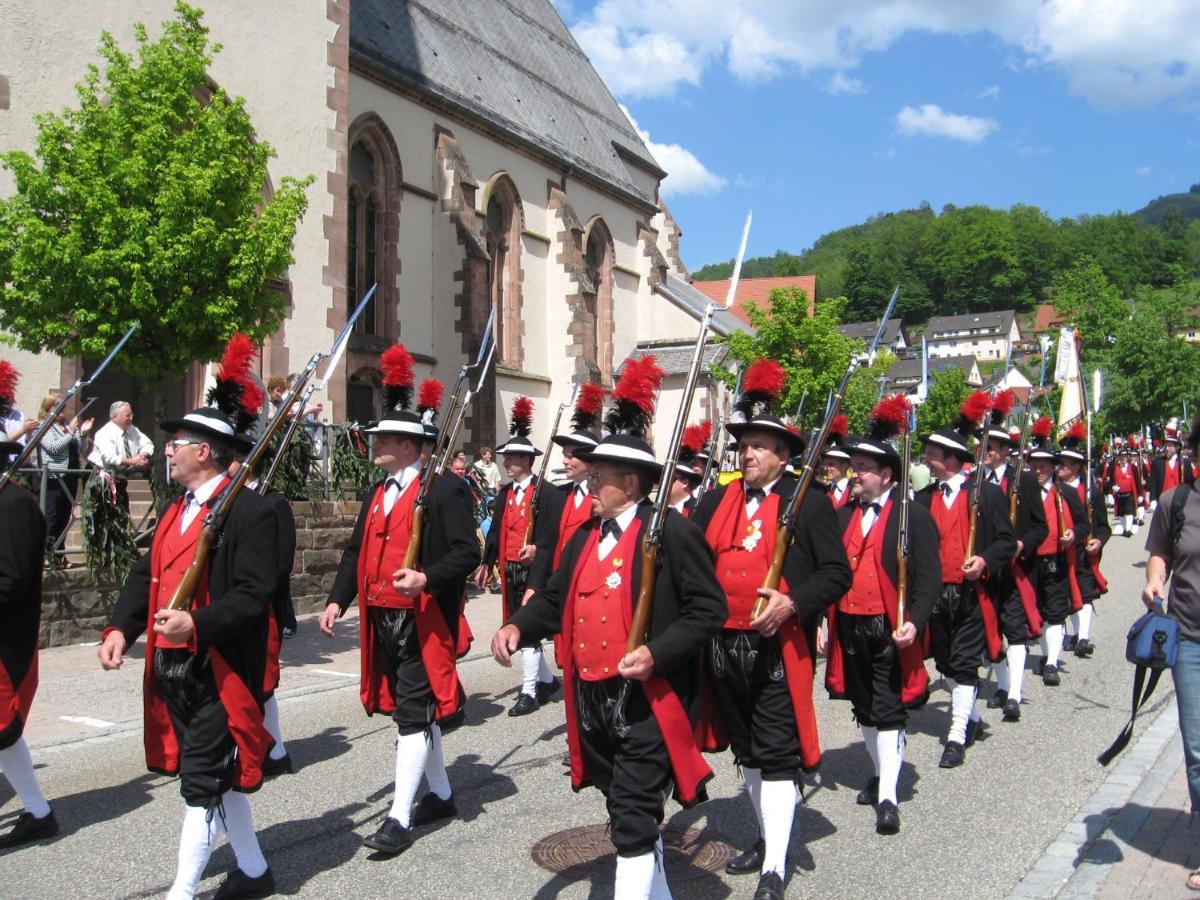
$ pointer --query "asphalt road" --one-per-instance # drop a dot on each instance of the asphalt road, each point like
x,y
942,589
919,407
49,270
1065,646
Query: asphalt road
x,y
968,832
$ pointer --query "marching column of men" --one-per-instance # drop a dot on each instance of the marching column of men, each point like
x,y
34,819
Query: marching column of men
x,y
726,662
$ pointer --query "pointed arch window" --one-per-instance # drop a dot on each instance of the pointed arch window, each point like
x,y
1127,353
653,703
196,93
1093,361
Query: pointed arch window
x,y
503,224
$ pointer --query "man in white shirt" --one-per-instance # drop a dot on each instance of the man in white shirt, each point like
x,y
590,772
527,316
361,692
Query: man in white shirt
x,y
120,449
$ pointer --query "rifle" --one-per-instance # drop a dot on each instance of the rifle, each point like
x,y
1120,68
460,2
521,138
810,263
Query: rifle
x,y
791,514
652,537
902,551
1014,483
436,464
214,519
535,502
717,456
36,440
977,488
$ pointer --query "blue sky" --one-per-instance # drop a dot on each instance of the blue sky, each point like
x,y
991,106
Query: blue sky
x,y
819,114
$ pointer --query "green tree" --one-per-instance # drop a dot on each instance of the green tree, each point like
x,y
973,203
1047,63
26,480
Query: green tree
x,y
948,389
1085,297
1150,375
810,349
148,204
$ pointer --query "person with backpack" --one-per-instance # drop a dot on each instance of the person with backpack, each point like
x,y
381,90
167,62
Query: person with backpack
x,y
1173,544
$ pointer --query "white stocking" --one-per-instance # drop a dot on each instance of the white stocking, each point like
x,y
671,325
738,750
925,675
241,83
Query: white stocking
x,y
660,890
530,658
271,721
435,764
239,828
962,706
412,750
891,757
545,676
871,740
1083,621
1015,664
778,809
635,877
1054,641
753,779
201,830
18,767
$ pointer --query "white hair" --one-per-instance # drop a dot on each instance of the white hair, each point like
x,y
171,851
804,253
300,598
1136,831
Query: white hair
x,y
116,408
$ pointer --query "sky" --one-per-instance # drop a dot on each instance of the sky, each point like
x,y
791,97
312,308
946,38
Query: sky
x,y
818,114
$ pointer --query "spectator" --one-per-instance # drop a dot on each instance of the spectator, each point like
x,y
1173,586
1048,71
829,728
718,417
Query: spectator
x,y
121,450
1181,561
489,472
276,386
458,466
59,452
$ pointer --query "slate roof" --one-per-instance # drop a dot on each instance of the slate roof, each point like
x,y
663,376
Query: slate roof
x,y
513,65
865,331
757,291
675,357
685,295
988,322
910,368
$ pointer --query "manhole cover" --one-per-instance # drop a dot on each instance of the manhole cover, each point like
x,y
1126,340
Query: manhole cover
x,y
585,852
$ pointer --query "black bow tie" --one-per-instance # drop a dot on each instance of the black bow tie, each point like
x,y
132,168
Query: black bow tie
x,y
188,498
993,478
758,494
873,507
394,482
580,489
945,488
610,528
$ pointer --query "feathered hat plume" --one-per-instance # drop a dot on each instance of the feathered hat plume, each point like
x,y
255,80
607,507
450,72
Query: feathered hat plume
x,y
694,442
1002,405
1040,433
521,421
889,418
761,387
397,365
972,411
8,386
588,407
634,396
236,394
429,400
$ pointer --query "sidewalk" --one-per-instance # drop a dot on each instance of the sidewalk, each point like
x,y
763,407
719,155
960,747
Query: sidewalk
x,y
1133,838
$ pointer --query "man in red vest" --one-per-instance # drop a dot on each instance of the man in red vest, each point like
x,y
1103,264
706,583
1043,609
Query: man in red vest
x,y
835,464
205,666
22,548
511,544
875,661
1016,592
408,617
1089,541
630,716
1169,470
1124,480
963,625
761,667
686,481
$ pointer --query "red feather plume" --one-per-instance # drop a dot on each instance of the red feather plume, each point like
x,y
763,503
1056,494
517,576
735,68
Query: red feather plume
x,y
890,417
693,439
765,376
1042,428
430,394
252,396
8,385
522,417
839,427
639,384
976,406
239,353
591,399
397,365
706,428
1003,403
1077,432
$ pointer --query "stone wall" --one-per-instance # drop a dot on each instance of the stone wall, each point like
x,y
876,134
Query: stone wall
x,y
75,607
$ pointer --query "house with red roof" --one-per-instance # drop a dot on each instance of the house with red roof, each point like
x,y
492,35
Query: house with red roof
x,y
757,292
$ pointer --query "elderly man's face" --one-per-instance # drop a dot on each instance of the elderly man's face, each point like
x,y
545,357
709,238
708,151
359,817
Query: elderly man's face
x,y
124,417
761,457
459,467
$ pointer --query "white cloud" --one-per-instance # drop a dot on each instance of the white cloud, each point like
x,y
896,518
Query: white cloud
x,y
1115,53
930,119
685,173
991,92
841,83
1142,171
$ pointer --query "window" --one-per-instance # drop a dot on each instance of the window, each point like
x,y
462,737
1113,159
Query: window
x,y
503,225
598,305
362,247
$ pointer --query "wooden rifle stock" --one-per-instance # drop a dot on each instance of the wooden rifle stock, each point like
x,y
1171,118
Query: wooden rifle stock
x,y
1058,513
210,536
902,532
640,626
412,554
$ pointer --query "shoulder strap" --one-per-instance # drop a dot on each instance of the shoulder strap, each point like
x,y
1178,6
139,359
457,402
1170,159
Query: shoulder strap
x,y
1178,501
1139,678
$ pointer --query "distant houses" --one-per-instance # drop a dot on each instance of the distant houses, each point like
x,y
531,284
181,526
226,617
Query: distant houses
x,y
895,335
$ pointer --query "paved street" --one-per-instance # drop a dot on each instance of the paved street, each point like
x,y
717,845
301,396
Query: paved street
x,y
1030,804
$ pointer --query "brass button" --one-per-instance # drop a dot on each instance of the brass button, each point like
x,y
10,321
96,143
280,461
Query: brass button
x,y
581,620
606,593
604,619
603,644
743,574
582,645
606,668
585,668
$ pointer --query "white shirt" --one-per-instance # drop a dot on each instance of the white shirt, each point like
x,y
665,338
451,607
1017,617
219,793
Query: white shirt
x,y
108,445
869,516
752,505
579,493
956,483
994,476
839,488
193,501
404,478
623,520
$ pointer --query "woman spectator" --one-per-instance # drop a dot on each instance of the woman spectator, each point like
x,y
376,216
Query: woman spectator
x,y
1180,559
60,451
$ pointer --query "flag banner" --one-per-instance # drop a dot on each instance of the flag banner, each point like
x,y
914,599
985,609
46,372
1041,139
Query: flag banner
x,y
1066,374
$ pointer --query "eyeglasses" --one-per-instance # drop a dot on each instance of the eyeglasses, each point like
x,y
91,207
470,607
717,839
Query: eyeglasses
x,y
601,477
181,442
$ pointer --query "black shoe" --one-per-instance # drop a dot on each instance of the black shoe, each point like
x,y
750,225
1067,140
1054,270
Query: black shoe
x,y
1012,710
996,701
288,632
1084,649
547,689
1050,676
1069,642
887,818
770,887
281,766
953,756
28,828
869,795
391,838
524,706
749,861
452,721
238,884
432,808
1040,666
974,730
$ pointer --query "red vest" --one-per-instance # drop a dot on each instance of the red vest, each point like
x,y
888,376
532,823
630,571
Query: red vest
x,y
865,597
953,528
381,553
571,519
1050,546
1123,478
516,521
745,557
839,502
602,593
174,558
1170,473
